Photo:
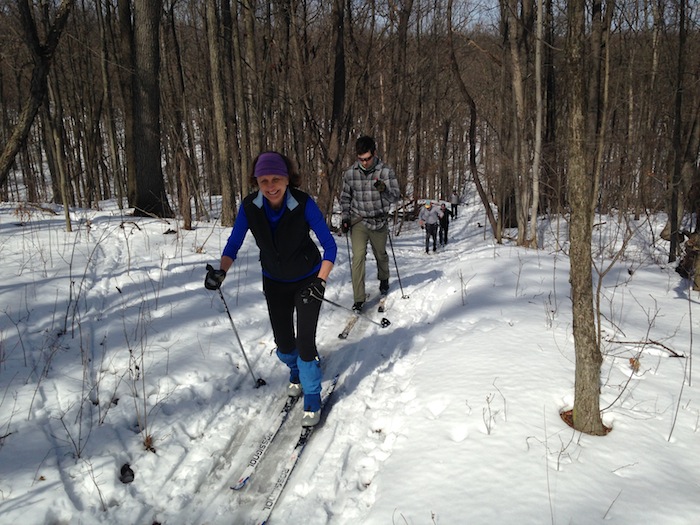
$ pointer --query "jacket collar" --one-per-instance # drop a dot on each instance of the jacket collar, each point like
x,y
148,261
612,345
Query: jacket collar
x,y
292,203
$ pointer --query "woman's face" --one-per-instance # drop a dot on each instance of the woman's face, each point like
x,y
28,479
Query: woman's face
x,y
273,188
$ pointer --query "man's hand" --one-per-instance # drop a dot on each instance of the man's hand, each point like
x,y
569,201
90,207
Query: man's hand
x,y
379,184
345,225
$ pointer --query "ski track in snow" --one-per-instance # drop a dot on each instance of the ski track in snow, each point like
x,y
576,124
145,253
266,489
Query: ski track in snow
x,y
342,457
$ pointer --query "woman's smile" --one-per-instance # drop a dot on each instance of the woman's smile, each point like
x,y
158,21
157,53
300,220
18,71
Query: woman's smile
x,y
273,188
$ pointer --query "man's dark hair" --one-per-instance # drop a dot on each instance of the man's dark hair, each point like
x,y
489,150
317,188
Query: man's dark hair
x,y
364,144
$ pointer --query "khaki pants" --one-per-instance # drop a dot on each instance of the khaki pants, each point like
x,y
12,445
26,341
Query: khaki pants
x,y
359,235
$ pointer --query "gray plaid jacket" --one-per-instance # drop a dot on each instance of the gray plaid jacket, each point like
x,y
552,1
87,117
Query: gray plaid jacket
x,y
361,201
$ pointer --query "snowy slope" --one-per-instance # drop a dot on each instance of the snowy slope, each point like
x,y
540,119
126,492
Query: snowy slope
x,y
450,415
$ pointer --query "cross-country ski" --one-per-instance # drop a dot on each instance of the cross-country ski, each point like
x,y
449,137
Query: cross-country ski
x,y
293,459
264,444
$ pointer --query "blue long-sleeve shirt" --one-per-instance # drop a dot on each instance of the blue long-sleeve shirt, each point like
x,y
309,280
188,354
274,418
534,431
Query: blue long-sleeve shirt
x,y
312,215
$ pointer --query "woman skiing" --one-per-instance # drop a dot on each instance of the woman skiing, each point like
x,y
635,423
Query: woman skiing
x,y
280,216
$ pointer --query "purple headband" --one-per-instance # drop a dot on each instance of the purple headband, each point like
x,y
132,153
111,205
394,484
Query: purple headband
x,y
271,163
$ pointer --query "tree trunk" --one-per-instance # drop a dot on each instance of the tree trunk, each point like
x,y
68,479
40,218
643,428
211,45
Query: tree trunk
x,y
228,199
254,139
677,139
539,111
241,122
516,36
103,20
151,198
55,123
586,412
472,129
126,73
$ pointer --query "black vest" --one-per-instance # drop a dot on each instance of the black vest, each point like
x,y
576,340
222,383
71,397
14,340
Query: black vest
x,y
288,254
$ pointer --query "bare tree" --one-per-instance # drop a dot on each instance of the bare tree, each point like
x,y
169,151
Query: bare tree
x,y
151,197
472,127
677,136
42,53
586,412
115,168
222,157
539,116
518,26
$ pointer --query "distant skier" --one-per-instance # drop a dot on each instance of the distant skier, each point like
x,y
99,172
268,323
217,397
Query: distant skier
x,y
428,219
454,202
294,273
444,216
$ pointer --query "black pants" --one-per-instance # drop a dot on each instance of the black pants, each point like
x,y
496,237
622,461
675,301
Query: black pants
x,y
454,211
443,233
282,300
431,231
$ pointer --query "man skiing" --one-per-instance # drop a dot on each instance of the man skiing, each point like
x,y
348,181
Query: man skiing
x,y
369,188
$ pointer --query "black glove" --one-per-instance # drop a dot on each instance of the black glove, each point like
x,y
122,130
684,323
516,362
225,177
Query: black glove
x,y
315,290
214,278
379,184
345,225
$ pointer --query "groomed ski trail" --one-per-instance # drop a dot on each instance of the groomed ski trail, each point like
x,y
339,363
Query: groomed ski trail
x,y
338,470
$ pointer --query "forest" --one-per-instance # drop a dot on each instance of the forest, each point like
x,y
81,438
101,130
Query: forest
x,y
162,104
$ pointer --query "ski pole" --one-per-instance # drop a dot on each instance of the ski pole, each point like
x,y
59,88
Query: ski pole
x,y
393,254
347,242
259,381
384,322
398,277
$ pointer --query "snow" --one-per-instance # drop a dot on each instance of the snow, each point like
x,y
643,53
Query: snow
x,y
450,415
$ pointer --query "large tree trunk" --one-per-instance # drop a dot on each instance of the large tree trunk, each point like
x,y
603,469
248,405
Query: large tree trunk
x,y
151,198
586,413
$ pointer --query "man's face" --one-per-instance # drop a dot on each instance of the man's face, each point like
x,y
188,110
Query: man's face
x,y
366,158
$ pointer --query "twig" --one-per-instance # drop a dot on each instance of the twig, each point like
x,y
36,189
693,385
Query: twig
x,y
611,505
647,343
546,464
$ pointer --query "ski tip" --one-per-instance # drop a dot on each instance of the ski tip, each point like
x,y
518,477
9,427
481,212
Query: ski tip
x,y
241,483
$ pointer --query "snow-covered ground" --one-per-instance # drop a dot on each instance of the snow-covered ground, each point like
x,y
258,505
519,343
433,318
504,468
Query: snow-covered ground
x,y
109,342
